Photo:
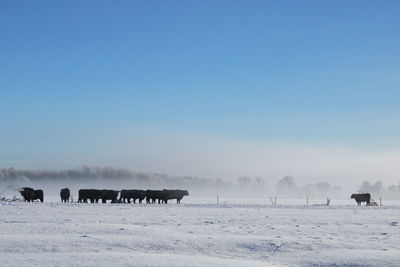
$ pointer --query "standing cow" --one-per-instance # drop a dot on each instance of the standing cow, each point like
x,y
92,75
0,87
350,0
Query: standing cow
x,y
127,195
30,195
156,195
65,194
27,193
361,198
176,194
92,194
107,194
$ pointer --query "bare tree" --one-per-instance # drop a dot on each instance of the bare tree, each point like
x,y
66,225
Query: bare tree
x,y
259,183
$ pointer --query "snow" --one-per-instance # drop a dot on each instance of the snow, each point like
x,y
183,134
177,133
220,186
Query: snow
x,y
238,232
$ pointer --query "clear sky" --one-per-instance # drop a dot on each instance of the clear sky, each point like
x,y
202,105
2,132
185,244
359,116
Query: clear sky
x,y
182,86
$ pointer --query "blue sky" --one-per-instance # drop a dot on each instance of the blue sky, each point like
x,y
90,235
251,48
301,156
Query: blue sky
x,y
81,80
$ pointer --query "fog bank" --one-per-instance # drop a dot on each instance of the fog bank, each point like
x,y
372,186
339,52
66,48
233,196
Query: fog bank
x,y
51,181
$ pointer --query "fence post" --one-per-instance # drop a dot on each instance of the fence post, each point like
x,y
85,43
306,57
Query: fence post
x,y
217,199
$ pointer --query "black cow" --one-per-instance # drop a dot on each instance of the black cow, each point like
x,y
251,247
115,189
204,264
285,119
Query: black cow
x,y
159,195
30,195
361,198
27,193
127,195
92,194
65,194
150,197
176,194
107,194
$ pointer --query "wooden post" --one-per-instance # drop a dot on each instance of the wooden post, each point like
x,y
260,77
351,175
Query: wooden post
x,y
307,200
217,199
380,201
273,202
328,200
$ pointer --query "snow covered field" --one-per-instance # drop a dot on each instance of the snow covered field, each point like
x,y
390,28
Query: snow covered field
x,y
238,232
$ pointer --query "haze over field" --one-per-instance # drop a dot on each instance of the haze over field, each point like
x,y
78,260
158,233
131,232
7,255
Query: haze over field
x,y
208,89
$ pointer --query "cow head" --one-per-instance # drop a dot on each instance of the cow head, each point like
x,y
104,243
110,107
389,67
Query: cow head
x,y
353,196
185,193
22,190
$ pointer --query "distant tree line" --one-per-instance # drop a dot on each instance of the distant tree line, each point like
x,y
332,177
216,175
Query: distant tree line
x,y
109,174
377,190
286,187
246,183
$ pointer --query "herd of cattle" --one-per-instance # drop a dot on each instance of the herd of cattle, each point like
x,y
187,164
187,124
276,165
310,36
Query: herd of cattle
x,y
125,196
